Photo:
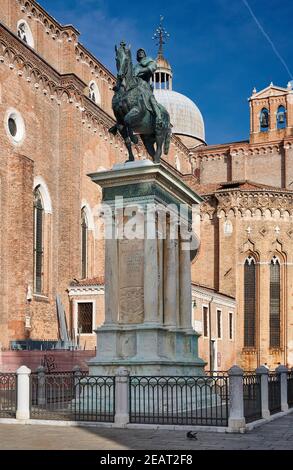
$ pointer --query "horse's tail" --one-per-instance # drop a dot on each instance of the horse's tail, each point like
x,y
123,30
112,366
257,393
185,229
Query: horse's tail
x,y
167,141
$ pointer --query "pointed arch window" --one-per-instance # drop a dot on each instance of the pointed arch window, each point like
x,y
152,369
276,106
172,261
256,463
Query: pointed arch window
x,y
38,241
94,93
264,120
249,302
275,302
281,117
84,244
24,33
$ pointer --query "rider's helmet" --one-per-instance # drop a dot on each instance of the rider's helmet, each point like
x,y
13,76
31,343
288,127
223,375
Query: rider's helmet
x,y
140,50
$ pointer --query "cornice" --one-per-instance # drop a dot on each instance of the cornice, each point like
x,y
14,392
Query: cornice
x,y
242,149
83,55
263,202
86,290
33,10
206,294
180,145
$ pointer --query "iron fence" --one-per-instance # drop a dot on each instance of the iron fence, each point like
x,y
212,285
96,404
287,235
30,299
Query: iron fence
x,y
290,388
274,393
67,396
214,373
198,400
252,397
8,395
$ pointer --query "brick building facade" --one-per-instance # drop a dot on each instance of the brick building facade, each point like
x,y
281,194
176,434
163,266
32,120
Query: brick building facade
x,y
55,103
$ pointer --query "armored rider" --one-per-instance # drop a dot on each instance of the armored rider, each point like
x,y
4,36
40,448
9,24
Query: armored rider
x,y
145,69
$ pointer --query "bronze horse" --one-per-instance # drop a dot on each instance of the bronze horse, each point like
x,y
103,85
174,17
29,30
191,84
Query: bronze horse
x,y
132,108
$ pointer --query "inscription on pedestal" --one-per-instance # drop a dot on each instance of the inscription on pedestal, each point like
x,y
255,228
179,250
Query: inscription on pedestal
x,y
131,267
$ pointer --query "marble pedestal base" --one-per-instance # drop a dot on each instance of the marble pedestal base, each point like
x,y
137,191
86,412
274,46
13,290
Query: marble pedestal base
x,y
146,349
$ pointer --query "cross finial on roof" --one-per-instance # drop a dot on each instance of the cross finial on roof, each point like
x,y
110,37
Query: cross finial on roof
x,y
161,36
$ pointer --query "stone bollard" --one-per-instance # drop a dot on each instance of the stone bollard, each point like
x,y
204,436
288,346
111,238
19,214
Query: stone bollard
x,y
121,397
41,390
236,420
264,387
283,372
23,393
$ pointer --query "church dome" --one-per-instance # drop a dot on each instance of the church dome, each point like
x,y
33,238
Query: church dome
x,y
186,118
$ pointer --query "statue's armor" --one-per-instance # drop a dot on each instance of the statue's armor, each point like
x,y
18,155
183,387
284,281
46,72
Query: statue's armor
x,y
145,68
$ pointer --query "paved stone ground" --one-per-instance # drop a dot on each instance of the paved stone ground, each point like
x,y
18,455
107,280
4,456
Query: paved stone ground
x,y
277,434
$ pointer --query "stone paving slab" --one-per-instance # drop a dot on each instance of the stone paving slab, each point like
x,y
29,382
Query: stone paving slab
x,y
277,434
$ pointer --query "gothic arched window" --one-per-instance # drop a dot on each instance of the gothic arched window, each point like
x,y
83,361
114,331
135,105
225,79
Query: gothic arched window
x,y
24,33
281,117
264,120
94,93
249,302
84,244
275,303
38,241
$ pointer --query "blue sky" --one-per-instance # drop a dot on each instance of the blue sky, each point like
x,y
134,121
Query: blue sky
x,y
216,49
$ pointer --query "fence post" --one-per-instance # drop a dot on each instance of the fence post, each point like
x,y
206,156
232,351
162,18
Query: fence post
x,y
23,393
236,420
121,396
264,390
283,372
41,391
77,374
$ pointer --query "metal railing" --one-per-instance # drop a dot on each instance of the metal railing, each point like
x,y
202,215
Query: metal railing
x,y
198,400
290,388
274,384
8,395
252,397
67,396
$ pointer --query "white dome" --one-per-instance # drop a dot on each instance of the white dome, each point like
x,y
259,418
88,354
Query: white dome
x,y
185,116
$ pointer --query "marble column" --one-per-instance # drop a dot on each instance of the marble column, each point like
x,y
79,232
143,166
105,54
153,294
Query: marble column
x,y
170,281
111,274
185,284
150,268
160,243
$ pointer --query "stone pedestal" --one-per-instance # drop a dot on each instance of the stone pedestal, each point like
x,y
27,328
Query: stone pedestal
x,y
148,327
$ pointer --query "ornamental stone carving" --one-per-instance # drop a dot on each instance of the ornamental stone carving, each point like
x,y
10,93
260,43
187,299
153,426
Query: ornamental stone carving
x,y
255,200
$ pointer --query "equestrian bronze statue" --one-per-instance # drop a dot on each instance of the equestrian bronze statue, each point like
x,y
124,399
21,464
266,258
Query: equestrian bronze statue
x,y
135,106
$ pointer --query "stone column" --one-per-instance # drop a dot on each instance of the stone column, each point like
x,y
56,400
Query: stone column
x,y
121,397
151,268
23,393
170,281
236,421
111,274
185,285
283,372
264,387
160,242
